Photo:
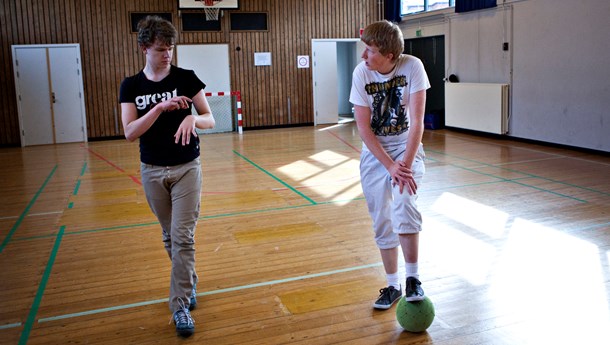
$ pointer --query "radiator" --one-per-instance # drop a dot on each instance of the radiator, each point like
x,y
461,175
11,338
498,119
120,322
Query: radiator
x,y
477,106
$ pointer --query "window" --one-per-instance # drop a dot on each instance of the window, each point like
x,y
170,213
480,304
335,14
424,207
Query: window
x,y
248,21
416,6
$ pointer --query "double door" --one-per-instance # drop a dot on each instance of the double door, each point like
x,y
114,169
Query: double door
x,y
50,99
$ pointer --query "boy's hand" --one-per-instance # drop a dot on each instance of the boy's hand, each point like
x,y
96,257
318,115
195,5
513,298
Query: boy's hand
x,y
175,103
403,177
186,128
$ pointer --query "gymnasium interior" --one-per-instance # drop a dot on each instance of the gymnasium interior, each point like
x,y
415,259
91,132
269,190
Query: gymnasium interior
x,y
515,200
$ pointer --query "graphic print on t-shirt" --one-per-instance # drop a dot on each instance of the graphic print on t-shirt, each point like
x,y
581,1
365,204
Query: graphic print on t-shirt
x,y
145,101
389,116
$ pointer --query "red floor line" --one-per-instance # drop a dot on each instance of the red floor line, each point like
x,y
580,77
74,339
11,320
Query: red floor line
x,y
135,179
345,142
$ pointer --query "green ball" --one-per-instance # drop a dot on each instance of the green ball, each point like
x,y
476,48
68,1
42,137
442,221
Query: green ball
x,y
415,316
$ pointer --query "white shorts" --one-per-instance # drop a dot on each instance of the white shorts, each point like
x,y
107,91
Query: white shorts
x,y
392,213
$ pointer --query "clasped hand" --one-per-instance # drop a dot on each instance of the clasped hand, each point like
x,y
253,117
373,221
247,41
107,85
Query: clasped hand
x,y
175,103
187,127
403,177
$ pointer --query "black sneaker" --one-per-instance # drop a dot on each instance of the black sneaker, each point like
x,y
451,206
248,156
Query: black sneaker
x,y
387,297
185,326
413,290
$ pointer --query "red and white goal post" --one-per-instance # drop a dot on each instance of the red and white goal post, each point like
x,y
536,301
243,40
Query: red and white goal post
x,y
226,108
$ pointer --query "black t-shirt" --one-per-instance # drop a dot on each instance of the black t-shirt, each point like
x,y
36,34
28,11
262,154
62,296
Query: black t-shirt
x,y
157,145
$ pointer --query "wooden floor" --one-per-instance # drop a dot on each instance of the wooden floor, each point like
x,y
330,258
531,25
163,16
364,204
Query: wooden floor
x,y
515,249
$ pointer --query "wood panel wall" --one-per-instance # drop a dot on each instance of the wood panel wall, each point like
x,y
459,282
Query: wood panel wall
x,y
276,95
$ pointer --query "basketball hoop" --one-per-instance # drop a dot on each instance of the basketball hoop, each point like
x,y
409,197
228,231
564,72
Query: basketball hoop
x,y
211,11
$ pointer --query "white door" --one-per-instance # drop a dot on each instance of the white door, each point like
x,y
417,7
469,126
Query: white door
x,y
66,94
49,87
325,90
211,64
33,96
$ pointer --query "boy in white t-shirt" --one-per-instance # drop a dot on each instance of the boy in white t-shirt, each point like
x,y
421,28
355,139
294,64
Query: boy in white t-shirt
x,y
389,97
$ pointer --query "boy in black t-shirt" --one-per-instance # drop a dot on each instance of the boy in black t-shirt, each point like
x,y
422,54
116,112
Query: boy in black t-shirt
x,y
156,108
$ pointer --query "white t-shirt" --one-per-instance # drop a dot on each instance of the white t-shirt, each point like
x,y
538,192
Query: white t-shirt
x,y
387,95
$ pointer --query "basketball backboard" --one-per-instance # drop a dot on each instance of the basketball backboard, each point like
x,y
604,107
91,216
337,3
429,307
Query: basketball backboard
x,y
199,4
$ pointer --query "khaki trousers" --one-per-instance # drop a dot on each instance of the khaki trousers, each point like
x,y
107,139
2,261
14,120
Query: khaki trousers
x,y
174,196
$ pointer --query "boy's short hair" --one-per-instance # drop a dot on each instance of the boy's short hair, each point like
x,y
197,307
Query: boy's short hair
x,y
154,28
386,36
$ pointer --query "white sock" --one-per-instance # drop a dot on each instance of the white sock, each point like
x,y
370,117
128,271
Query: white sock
x,y
412,270
393,280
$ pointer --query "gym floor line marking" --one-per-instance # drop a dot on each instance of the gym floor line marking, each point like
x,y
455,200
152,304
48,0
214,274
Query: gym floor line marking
x,y
25,334
474,140
214,292
129,226
135,179
78,182
10,325
499,166
528,161
324,184
275,178
27,209
561,183
32,215
221,215
557,155
234,214
243,213
527,175
344,141
76,188
513,181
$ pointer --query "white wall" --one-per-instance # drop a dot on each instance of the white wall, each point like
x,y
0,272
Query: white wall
x,y
558,54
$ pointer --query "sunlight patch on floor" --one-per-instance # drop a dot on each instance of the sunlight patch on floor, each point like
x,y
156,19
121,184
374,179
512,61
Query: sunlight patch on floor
x,y
331,175
477,216
553,279
464,255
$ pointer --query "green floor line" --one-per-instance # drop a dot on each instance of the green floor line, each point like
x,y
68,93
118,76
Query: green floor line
x,y
524,173
112,228
80,232
594,227
560,182
25,334
76,188
243,213
549,191
276,178
512,180
10,234
214,292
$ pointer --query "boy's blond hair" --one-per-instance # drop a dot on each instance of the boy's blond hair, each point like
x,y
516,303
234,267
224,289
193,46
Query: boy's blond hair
x,y
386,36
